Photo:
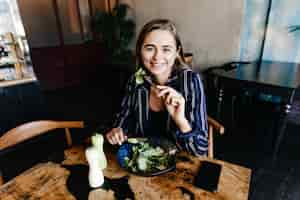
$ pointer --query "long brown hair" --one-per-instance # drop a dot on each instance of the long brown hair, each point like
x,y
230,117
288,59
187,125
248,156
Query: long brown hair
x,y
159,24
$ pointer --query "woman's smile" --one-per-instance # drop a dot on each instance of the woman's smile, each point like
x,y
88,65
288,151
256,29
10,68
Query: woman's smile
x,y
156,64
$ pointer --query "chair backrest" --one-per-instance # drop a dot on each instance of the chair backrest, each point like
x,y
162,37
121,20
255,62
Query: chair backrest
x,y
35,128
30,130
213,125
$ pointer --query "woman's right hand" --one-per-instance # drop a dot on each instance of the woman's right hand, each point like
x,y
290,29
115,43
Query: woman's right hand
x,y
116,136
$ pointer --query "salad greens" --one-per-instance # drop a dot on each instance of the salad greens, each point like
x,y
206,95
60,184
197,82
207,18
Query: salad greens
x,y
147,158
139,76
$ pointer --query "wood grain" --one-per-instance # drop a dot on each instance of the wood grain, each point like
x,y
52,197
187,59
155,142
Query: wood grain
x,y
102,194
45,181
48,180
233,185
234,180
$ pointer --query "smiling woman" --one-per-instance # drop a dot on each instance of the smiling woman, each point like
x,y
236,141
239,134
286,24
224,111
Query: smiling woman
x,y
164,98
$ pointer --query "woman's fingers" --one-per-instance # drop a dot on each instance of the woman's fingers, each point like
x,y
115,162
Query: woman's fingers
x,y
110,138
116,136
171,99
167,98
175,101
161,86
164,90
120,138
169,95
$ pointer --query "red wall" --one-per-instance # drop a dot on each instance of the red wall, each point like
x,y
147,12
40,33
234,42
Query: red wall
x,y
58,67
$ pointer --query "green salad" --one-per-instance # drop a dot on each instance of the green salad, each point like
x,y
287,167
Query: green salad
x,y
147,158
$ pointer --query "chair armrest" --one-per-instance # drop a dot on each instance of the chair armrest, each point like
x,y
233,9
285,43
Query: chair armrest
x,y
213,125
216,125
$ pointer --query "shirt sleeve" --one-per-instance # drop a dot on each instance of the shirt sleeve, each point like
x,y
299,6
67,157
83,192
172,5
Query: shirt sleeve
x,y
125,117
195,141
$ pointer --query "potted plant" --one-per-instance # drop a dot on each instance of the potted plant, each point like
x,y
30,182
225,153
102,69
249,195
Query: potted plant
x,y
115,30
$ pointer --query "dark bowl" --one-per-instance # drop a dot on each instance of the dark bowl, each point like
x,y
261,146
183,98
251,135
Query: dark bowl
x,y
125,150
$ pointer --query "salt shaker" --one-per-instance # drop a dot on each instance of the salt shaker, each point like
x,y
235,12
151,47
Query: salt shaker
x,y
97,161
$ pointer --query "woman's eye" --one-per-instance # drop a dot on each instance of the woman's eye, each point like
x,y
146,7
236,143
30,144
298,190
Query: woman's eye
x,y
167,50
149,48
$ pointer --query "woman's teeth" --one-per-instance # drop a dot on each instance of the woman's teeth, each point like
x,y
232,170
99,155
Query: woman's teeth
x,y
157,64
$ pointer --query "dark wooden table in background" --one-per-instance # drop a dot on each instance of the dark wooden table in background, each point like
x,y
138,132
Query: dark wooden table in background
x,y
271,78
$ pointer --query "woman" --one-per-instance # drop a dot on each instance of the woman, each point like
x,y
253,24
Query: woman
x,y
165,97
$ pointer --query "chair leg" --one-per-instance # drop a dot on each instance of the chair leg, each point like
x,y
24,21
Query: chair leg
x,y
68,137
1,179
210,142
233,111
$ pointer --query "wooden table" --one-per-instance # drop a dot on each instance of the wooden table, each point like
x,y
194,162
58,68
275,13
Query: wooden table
x,y
48,181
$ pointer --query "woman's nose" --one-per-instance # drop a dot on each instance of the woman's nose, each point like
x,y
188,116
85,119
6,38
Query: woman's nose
x,y
157,55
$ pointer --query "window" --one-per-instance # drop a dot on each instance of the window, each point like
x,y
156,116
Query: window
x,y
10,20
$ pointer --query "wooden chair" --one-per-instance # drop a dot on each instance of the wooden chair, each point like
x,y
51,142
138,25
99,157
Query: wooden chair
x,y
213,125
32,129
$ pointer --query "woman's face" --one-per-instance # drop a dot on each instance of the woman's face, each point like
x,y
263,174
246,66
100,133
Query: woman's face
x,y
158,53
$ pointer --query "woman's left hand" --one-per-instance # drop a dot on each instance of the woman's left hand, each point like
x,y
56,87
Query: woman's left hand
x,y
174,103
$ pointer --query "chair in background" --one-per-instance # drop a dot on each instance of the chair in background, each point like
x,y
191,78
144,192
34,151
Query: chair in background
x,y
292,118
213,125
33,129
188,58
214,95
294,114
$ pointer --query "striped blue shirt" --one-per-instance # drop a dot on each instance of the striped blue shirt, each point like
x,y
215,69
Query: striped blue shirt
x,y
133,117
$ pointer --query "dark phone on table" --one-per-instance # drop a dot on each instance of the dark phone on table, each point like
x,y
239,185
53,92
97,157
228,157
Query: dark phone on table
x,y
208,176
